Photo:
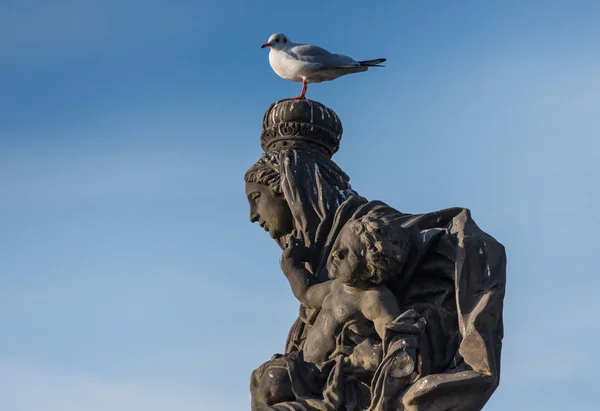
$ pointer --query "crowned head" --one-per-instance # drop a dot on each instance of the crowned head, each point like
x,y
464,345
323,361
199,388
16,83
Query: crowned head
x,y
301,125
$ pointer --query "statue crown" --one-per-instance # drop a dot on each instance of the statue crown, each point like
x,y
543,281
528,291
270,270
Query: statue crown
x,y
302,125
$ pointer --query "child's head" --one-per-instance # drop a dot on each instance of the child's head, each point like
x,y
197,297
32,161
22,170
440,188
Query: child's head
x,y
368,251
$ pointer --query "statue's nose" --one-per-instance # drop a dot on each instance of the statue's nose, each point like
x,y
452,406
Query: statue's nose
x,y
253,216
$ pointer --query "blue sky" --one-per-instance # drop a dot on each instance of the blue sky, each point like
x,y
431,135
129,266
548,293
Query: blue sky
x,y
130,275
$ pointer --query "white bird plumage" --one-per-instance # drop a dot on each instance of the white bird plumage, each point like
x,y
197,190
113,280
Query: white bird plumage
x,y
306,63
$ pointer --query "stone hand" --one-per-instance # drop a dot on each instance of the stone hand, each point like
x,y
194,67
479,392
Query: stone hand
x,y
364,359
295,250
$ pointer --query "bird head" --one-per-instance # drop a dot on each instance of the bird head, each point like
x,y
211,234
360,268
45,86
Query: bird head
x,y
277,41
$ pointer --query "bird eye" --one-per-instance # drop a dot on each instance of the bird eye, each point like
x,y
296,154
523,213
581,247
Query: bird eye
x,y
277,40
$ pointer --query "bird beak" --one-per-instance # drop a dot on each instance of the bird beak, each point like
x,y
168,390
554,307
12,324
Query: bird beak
x,y
266,45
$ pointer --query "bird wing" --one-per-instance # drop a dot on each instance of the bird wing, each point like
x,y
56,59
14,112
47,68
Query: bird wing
x,y
317,55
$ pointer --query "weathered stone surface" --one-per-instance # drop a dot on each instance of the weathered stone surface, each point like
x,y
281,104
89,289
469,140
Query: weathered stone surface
x,y
397,311
301,123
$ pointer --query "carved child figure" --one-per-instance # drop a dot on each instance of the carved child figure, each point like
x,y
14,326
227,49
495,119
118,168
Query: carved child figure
x,y
365,254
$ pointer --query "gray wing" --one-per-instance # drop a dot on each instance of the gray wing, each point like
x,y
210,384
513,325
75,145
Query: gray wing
x,y
317,55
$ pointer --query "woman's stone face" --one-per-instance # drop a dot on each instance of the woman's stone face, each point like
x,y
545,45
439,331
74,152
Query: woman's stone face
x,y
270,210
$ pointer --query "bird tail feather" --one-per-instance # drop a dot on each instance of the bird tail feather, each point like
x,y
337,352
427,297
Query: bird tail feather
x,y
372,63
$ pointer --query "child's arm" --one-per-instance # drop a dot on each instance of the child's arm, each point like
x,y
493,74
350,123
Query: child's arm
x,y
304,285
380,306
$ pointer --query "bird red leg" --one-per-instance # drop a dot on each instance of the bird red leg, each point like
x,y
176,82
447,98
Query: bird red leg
x,y
303,92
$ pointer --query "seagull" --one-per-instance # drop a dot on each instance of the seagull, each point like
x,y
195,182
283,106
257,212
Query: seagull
x,y
310,64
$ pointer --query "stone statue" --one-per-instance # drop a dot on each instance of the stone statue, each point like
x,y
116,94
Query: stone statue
x,y
357,265
397,311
